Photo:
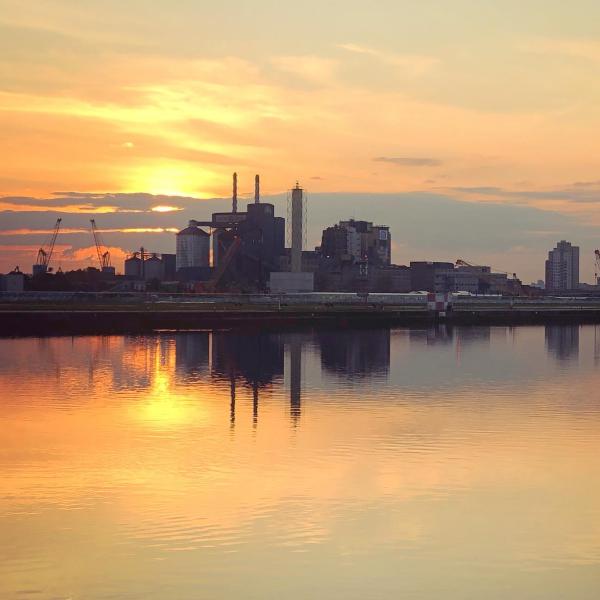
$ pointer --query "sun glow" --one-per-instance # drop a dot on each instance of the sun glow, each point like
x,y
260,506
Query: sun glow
x,y
175,179
164,406
163,208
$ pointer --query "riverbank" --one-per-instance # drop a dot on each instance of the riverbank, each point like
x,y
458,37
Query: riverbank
x,y
67,317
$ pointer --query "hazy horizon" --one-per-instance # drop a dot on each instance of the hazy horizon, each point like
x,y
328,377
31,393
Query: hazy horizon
x,y
424,226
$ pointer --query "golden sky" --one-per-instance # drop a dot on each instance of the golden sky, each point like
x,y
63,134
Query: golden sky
x,y
478,101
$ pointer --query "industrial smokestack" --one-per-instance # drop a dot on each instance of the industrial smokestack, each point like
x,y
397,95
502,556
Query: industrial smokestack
x,y
234,195
297,233
257,190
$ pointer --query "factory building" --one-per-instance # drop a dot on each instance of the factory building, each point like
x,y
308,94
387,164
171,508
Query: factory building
x,y
246,246
355,241
455,280
263,236
153,269
423,274
193,247
444,277
334,243
355,256
260,236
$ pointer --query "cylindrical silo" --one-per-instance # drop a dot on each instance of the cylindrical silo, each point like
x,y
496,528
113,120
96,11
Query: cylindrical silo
x,y
133,266
193,247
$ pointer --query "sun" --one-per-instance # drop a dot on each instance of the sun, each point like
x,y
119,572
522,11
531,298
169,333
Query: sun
x,y
172,180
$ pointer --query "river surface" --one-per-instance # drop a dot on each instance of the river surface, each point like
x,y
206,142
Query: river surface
x,y
436,463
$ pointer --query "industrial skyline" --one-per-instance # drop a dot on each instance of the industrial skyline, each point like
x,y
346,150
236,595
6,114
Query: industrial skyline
x,y
479,118
426,227
101,251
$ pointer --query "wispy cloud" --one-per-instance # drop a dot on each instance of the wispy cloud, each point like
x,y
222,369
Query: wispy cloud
x,y
575,48
7,205
409,161
95,203
413,63
314,69
571,193
78,230
587,184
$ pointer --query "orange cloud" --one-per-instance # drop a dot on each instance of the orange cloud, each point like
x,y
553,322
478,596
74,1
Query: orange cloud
x,y
89,255
67,230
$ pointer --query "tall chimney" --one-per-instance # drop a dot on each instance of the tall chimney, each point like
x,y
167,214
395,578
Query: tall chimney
x,y
234,196
257,190
297,233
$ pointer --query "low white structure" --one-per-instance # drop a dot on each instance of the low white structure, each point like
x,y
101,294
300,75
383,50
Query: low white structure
x,y
286,282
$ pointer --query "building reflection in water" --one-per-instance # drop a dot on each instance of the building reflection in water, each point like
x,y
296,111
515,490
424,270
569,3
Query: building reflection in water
x,y
246,365
192,354
472,335
355,354
562,341
253,359
446,334
440,333
256,361
295,345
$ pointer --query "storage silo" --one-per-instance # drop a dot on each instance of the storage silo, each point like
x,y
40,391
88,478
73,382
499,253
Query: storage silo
x,y
193,246
154,268
133,266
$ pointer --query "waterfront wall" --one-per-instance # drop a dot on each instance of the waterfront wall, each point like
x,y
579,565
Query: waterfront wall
x,y
52,314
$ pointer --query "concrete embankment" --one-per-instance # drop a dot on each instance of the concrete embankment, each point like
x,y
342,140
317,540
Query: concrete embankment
x,y
79,314
44,321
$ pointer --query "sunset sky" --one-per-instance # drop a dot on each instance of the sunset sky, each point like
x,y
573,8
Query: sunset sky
x,y
471,127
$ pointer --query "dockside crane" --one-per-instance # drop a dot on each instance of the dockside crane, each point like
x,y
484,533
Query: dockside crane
x,y
597,273
101,250
44,255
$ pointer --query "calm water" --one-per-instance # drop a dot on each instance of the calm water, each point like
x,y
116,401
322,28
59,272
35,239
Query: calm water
x,y
432,463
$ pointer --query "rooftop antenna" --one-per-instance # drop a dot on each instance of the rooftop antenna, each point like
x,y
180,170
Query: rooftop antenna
x,y
234,196
256,189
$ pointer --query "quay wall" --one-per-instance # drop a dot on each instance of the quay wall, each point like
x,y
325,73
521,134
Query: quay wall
x,y
73,313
